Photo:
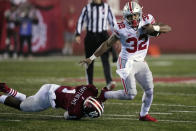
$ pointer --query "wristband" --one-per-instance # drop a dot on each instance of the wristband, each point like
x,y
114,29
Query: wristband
x,y
92,57
156,28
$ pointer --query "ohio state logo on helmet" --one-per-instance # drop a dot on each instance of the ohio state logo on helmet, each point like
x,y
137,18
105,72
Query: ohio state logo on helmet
x,y
92,107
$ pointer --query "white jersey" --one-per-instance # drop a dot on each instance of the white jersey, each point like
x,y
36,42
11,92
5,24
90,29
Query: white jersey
x,y
132,47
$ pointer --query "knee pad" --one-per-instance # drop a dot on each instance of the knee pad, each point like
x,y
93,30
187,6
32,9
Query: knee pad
x,y
12,102
149,92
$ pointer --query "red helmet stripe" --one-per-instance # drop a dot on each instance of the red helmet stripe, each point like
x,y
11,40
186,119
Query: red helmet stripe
x,y
97,104
130,7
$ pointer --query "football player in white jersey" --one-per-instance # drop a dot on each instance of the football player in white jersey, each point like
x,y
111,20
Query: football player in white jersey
x,y
134,33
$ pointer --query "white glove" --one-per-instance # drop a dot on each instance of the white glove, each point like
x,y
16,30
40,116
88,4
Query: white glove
x,y
66,115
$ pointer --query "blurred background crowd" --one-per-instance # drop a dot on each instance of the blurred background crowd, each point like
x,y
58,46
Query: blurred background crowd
x,y
43,27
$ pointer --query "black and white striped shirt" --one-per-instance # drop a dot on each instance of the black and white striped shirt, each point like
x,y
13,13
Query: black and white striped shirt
x,y
96,17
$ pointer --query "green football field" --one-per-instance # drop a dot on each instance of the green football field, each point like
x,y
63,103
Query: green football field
x,y
174,102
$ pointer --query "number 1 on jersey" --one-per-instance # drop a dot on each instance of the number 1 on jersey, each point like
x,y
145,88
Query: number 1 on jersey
x,y
65,90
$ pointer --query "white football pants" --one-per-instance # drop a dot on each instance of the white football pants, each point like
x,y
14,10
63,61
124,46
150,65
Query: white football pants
x,y
42,100
140,72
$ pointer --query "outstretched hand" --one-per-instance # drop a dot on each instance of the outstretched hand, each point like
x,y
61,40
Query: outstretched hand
x,y
86,61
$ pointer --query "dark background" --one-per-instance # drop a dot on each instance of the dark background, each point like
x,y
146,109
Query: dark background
x,y
180,15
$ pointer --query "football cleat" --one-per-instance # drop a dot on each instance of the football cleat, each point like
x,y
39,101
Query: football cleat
x,y
4,88
147,118
101,96
111,85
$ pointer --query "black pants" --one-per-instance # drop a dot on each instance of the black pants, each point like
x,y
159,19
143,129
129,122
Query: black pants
x,y
11,34
22,41
92,42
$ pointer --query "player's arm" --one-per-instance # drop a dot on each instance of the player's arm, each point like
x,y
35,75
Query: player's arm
x,y
161,28
156,29
103,48
70,117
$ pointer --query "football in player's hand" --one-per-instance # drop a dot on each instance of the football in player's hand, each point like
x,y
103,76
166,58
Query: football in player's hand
x,y
149,30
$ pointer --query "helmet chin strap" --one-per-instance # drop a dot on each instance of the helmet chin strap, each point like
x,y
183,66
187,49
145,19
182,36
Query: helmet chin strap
x,y
134,23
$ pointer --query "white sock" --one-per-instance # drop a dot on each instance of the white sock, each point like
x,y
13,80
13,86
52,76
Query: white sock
x,y
17,94
119,94
146,102
2,98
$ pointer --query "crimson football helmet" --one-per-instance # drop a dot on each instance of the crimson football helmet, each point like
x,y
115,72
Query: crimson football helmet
x,y
131,8
92,107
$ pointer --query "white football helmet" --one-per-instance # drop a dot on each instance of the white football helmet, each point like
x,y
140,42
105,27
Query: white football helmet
x,y
92,107
132,8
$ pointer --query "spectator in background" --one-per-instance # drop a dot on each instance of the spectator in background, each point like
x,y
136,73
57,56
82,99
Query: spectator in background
x,y
70,25
11,18
27,17
96,14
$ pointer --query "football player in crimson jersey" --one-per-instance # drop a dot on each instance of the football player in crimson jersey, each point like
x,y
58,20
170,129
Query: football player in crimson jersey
x,y
134,33
78,101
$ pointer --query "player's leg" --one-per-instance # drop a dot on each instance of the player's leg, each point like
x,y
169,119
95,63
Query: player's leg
x,y
10,101
15,44
129,85
107,71
7,44
11,92
145,79
89,73
29,45
89,50
128,93
41,100
22,40
106,67
69,48
69,43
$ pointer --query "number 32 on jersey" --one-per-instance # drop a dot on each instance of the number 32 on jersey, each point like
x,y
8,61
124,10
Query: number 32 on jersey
x,y
136,46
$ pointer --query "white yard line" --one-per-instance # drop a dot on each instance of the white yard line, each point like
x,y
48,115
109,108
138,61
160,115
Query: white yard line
x,y
170,121
105,117
10,120
54,116
176,121
152,104
118,115
160,113
176,94
184,111
20,114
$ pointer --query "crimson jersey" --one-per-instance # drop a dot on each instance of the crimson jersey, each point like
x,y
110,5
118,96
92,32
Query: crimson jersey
x,y
72,99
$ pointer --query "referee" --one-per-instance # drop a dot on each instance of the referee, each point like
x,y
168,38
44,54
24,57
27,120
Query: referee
x,y
96,15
